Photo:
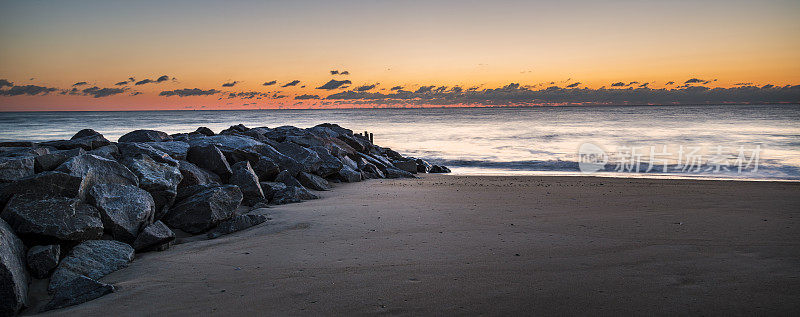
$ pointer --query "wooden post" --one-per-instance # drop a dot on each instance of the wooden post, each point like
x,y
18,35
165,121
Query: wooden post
x,y
371,138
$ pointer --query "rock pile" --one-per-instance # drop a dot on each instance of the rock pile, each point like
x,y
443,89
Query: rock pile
x,y
76,210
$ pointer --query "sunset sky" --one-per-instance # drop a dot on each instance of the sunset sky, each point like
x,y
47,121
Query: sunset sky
x,y
79,55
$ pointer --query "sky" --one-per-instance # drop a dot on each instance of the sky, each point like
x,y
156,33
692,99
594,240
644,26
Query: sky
x,y
153,55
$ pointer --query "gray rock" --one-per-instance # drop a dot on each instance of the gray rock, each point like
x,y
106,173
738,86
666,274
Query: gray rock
x,y
175,149
136,150
159,179
266,168
392,172
244,177
408,166
194,175
205,209
93,259
88,142
287,178
13,276
292,194
349,175
309,159
124,209
238,223
204,131
210,158
347,161
330,164
85,133
98,170
52,219
145,136
271,188
313,181
46,184
49,162
42,259
80,290
14,168
153,236
439,169
423,166
109,151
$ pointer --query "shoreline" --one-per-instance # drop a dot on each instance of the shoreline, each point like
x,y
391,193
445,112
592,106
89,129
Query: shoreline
x,y
456,172
449,244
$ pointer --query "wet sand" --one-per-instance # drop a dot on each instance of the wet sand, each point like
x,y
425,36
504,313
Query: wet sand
x,y
465,245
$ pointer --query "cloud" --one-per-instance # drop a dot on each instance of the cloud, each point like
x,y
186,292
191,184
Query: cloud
x,y
344,73
98,92
161,79
121,83
642,85
80,83
186,92
573,85
333,84
31,90
269,83
695,81
670,83
5,83
514,95
230,84
743,84
334,72
306,97
365,87
618,84
424,89
396,88
291,83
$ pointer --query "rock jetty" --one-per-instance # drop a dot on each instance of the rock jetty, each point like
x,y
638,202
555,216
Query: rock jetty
x,y
76,210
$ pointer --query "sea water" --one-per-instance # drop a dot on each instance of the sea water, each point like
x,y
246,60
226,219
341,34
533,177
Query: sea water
x,y
760,142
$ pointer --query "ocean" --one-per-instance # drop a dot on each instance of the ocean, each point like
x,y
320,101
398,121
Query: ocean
x,y
750,142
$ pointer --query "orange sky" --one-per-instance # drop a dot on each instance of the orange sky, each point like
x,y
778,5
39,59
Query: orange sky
x,y
407,43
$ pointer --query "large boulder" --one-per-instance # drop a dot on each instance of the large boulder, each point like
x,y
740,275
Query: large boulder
x,y
408,166
52,219
244,177
313,181
81,140
439,169
266,168
14,168
194,175
42,259
46,184
204,209
348,174
292,194
154,236
136,150
49,162
287,178
159,179
175,149
124,209
93,259
85,133
80,290
392,172
204,131
109,151
210,158
13,276
271,188
238,223
309,159
423,166
98,170
330,164
145,136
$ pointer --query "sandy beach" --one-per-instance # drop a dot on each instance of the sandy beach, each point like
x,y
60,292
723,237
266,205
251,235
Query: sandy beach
x,y
467,245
